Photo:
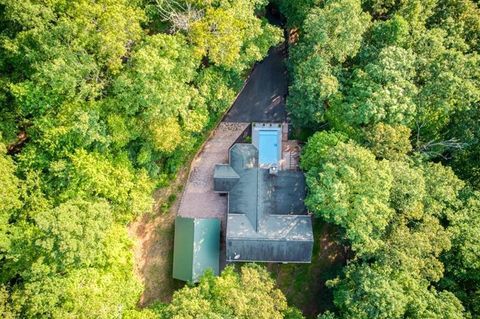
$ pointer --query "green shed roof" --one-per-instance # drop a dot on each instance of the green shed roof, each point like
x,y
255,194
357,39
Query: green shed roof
x,y
196,247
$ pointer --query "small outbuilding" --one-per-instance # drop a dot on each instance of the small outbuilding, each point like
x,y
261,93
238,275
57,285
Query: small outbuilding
x,y
196,247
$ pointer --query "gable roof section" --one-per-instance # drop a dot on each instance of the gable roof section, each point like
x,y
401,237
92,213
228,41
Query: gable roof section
x,y
196,247
224,178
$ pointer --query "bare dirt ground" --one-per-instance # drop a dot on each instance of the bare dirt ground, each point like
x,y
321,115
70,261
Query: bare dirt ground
x,y
153,250
153,233
263,98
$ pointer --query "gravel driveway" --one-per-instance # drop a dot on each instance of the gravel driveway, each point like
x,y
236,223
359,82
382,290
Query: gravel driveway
x,y
198,198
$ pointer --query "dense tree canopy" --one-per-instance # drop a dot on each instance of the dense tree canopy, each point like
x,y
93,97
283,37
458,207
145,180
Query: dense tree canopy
x,y
250,294
416,64
400,106
331,34
393,214
351,188
100,102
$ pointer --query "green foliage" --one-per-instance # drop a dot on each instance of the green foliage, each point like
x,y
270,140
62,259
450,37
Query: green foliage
x,y
318,147
330,35
385,292
9,195
248,294
295,11
351,189
293,313
465,160
462,261
231,35
409,190
415,65
383,91
395,216
9,183
71,235
405,87
389,142
335,31
96,110
314,84
86,292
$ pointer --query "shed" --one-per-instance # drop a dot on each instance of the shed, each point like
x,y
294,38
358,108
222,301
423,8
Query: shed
x,y
196,247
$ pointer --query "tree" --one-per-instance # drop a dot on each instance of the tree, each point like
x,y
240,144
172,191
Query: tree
x,y
408,191
382,92
295,11
451,86
396,280
91,175
84,292
231,36
378,291
407,91
66,63
461,19
335,31
313,86
73,234
462,262
351,189
97,105
318,148
9,196
463,127
251,293
330,35
389,142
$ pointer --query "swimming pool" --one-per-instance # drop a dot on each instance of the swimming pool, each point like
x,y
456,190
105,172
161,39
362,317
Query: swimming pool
x,y
268,152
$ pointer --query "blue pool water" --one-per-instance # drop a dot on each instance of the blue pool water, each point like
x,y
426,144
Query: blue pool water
x,y
268,147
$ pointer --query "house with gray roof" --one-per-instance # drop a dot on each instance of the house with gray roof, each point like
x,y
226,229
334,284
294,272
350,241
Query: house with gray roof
x,y
266,220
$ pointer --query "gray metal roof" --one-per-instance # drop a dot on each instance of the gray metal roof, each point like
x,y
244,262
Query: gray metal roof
x,y
266,208
224,171
224,178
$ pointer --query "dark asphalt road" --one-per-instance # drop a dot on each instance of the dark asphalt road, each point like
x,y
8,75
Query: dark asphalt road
x,y
263,97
